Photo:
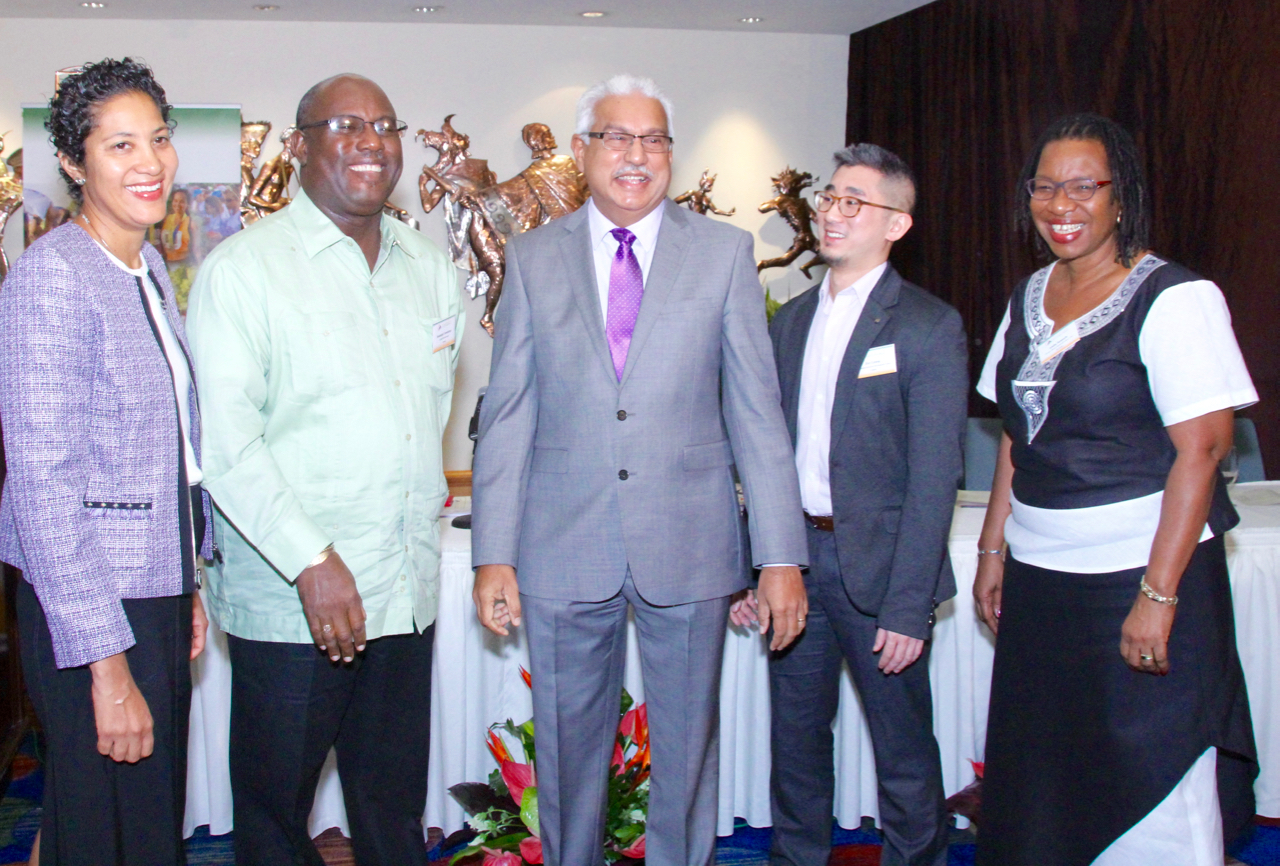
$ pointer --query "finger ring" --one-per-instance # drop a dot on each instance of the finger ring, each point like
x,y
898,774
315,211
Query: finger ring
x,y
799,619
328,629
1147,658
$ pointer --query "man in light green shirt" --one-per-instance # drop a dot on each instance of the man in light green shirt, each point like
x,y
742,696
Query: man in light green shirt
x,y
325,339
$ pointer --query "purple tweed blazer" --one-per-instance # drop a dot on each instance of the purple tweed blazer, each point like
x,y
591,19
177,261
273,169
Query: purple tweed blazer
x,y
89,510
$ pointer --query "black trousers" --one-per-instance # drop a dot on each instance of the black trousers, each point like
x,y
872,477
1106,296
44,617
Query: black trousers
x,y
804,690
99,812
289,705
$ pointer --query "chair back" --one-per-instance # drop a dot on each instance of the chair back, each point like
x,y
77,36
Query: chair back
x,y
1248,451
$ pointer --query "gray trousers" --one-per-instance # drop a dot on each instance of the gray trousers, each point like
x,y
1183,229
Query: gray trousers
x,y
804,682
578,651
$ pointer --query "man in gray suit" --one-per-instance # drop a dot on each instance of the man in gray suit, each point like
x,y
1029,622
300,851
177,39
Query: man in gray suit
x,y
631,373
874,386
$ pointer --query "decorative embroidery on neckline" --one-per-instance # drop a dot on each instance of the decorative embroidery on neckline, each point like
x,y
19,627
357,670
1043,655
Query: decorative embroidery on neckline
x,y
1035,377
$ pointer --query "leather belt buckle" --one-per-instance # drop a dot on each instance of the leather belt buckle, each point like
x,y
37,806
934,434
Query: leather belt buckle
x,y
825,524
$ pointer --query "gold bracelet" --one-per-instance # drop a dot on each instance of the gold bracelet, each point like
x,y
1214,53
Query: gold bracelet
x,y
321,557
1150,593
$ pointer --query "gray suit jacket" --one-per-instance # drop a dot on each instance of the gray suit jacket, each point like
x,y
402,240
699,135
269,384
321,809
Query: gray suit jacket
x,y
578,477
897,445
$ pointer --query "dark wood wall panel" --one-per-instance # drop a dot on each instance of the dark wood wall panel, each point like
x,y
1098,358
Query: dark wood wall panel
x,y
962,88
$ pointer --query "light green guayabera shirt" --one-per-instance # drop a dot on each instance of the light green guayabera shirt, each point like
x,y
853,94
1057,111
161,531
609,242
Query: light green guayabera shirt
x,y
324,406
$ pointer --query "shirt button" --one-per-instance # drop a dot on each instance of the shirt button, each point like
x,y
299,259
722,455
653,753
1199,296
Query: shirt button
x,y
406,548
623,475
402,577
406,494
397,383
385,332
622,414
408,436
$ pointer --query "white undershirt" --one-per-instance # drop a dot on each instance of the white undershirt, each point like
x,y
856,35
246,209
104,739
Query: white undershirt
x,y
604,246
1195,367
174,355
829,334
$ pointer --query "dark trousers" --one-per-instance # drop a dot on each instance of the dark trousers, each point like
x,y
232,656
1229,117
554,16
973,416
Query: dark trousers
x,y
577,651
804,682
289,705
99,812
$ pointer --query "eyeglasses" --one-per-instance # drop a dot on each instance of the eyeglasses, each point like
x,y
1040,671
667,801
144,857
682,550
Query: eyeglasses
x,y
849,204
347,124
622,141
1077,189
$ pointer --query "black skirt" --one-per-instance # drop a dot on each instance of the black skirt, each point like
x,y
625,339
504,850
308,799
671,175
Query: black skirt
x,y
1080,747
99,812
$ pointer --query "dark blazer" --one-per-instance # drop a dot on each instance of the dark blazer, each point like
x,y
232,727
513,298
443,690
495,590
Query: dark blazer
x,y
897,445
579,478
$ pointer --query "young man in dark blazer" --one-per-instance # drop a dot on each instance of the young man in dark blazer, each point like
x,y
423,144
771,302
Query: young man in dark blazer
x,y
874,382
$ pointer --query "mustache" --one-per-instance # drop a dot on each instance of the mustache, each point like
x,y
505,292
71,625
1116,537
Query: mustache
x,y
635,169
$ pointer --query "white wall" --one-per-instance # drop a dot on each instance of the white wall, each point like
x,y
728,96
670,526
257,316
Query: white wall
x,y
746,104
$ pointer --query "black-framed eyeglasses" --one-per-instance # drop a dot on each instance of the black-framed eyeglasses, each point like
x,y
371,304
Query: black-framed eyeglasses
x,y
349,124
849,204
1077,188
622,141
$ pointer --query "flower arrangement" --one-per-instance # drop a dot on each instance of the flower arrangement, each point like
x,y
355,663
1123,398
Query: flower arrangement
x,y
504,811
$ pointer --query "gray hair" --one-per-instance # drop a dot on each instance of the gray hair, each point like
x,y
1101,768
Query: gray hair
x,y
620,85
888,163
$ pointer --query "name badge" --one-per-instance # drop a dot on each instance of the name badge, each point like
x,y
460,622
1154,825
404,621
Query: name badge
x,y
1066,337
442,334
879,360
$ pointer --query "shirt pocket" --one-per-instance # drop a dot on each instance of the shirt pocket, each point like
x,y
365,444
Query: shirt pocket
x,y
325,355
436,367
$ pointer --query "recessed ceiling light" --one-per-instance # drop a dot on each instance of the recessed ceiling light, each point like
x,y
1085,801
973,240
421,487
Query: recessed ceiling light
x,y
428,8
93,4
751,20
266,7
592,14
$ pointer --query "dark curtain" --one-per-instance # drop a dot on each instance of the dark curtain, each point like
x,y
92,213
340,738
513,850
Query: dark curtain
x,y
962,88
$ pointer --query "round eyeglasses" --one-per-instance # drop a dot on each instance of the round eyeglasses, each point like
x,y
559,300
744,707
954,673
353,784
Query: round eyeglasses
x,y
348,124
849,205
1077,189
622,141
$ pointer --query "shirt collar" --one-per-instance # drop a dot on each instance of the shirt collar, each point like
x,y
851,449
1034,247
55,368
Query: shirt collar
x,y
860,287
645,230
318,232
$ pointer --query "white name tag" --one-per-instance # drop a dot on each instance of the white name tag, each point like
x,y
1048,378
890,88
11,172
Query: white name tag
x,y
879,360
442,335
1066,337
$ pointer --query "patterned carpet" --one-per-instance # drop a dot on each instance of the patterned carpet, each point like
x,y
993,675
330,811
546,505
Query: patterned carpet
x,y
748,846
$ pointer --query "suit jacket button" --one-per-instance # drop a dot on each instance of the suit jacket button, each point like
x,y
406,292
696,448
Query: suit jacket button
x,y
623,475
622,414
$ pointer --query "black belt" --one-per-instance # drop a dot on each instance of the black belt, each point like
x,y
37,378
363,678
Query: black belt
x,y
825,523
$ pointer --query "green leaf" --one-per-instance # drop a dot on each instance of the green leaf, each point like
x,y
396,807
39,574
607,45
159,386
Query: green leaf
x,y
529,809
627,701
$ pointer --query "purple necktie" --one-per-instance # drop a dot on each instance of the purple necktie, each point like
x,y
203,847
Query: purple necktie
x,y
626,288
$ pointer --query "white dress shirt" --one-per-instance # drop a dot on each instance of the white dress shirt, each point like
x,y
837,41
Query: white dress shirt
x,y
604,246
833,324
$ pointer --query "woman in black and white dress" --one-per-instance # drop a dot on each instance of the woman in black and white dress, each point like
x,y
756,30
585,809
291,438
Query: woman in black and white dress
x,y
1118,710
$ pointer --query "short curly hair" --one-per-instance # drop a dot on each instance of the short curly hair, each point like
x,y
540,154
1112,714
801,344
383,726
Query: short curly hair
x,y
73,109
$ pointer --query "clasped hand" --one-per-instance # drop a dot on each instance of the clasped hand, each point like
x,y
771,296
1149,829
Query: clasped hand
x,y
781,601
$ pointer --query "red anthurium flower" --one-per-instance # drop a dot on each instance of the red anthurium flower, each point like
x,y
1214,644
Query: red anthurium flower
x,y
627,727
978,767
518,777
526,676
531,849
618,762
635,850
497,748
500,858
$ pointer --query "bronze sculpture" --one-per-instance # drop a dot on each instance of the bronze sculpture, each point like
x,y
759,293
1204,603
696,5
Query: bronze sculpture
x,y
270,189
790,204
482,213
10,197
252,135
699,200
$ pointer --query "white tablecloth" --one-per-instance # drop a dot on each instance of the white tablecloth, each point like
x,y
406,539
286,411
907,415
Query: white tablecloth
x,y
476,682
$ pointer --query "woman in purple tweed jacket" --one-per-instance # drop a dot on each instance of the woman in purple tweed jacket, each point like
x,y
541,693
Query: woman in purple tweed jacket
x,y
102,509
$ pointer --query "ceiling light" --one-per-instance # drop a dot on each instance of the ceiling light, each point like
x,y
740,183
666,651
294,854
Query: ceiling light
x,y
751,20
266,7
592,14
93,4
428,8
